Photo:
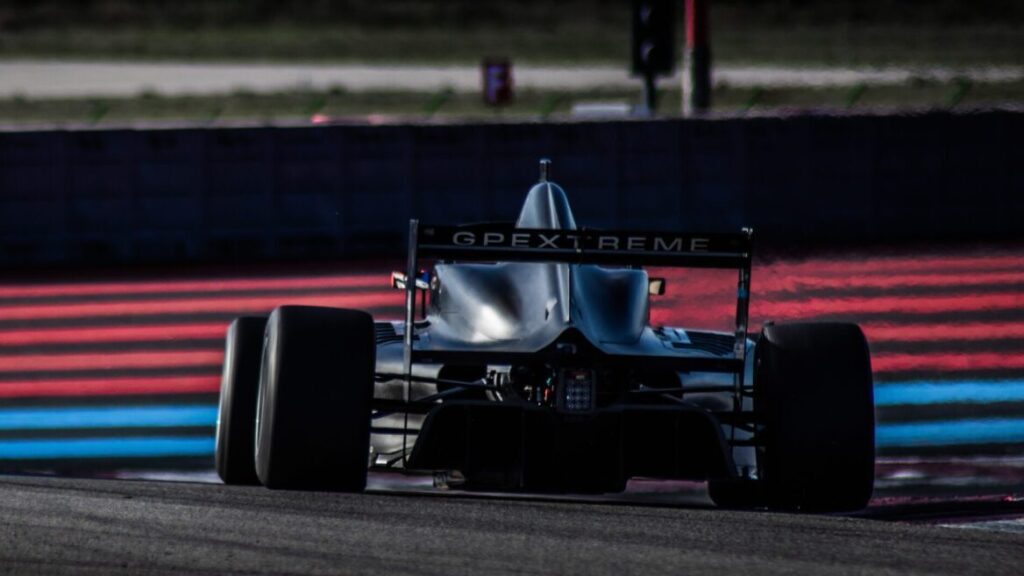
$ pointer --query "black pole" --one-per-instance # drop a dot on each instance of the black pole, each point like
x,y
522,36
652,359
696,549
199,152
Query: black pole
x,y
700,79
650,92
653,46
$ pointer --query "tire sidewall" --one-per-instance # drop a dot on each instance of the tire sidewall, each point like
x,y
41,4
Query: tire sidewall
x,y
236,411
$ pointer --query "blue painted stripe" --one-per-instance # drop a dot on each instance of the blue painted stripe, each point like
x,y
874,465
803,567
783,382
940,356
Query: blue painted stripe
x,y
951,433
952,392
107,417
105,448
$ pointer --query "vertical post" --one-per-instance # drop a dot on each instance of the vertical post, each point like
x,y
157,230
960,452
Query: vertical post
x,y
410,311
653,45
410,307
742,308
697,59
743,314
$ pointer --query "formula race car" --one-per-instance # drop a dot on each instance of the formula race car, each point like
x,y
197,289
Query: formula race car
x,y
526,362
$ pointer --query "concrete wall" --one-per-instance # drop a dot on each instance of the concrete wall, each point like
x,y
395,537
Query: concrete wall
x,y
252,193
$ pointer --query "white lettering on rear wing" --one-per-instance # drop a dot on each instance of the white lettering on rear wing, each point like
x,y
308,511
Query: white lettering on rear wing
x,y
505,243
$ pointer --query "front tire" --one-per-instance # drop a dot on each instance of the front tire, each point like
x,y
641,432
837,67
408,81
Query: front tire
x,y
316,387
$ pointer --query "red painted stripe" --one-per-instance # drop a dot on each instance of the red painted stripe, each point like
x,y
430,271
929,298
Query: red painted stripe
x,y
938,332
909,304
112,334
815,272
686,286
853,265
947,362
111,386
234,305
790,284
715,312
111,360
382,280
853,270
708,319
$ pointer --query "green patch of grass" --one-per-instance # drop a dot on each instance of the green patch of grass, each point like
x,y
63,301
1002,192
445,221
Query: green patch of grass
x,y
849,44
847,32
528,104
580,42
922,94
573,43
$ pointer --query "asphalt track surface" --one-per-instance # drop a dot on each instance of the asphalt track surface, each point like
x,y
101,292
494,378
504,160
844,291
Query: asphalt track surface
x,y
76,526
56,78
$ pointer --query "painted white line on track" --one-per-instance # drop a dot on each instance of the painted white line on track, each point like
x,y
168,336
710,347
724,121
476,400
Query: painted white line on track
x,y
1015,525
203,476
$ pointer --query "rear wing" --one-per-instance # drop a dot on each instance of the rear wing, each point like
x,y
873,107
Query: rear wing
x,y
506,243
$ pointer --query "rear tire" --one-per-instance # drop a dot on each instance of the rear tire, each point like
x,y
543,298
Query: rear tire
x,y
316,387
236,413
813,389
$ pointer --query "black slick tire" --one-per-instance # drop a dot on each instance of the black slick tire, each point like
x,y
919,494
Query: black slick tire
x,y
316,387
236,413
813,390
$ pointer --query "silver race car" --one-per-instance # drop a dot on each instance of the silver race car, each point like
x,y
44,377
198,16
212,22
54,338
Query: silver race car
x,y
526,362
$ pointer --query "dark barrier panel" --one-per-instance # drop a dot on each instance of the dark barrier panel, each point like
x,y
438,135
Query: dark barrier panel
x,y
255,193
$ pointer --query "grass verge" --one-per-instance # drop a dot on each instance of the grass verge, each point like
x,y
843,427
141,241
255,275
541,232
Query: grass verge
x,y
580,42
529,104
844,32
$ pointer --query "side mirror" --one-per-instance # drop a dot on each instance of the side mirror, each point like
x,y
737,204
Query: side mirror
x,y
398,280
656,287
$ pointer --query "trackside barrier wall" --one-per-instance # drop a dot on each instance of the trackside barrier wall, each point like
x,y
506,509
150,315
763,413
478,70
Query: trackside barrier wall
x,y
158,195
